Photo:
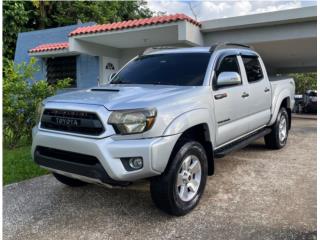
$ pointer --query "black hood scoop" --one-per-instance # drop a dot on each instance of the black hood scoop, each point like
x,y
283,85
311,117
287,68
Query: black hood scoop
x,y
104,90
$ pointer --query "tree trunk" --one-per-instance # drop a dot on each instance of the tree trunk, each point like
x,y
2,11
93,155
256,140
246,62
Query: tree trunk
x,y
43,14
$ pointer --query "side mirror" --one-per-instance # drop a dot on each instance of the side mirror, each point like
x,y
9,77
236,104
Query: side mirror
x,y
228,78
111,76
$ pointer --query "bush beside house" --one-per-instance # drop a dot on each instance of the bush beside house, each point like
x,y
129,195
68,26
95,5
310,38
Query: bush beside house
x,y
21,96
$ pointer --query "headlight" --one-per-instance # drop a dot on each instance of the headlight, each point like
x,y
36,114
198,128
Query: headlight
x,y
132,121
39,112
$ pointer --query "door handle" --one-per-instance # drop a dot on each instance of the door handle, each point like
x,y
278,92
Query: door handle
x,y
245,95
266,89
220,96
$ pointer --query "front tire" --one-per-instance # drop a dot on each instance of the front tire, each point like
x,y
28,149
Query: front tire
x,y
178,190
69,181
277,139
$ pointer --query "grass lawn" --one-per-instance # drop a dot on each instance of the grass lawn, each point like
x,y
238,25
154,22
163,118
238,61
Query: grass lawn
x,y
18,165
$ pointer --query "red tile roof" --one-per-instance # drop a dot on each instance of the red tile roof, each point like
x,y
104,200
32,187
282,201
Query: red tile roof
x,y
133,24
50,47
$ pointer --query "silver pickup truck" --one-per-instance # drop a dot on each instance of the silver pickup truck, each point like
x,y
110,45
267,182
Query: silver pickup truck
x,y
165,116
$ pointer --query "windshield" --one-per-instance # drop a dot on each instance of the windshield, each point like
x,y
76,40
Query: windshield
x,y
183,69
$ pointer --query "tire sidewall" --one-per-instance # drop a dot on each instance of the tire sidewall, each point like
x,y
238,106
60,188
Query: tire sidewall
x,y
284,113
189,148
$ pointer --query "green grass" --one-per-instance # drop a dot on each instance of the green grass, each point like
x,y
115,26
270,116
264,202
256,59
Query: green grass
x,y
18,165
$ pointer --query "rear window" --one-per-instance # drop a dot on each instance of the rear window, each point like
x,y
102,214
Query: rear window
x,y
183,69
253,68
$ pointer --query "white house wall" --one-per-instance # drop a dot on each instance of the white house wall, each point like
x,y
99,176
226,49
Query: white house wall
x,y
81,46
190,34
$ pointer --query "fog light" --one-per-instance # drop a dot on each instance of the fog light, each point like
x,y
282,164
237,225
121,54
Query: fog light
x,y
132,163
136,163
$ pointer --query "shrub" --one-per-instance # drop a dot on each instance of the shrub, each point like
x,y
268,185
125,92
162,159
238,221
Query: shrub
x,y
21,97
305,81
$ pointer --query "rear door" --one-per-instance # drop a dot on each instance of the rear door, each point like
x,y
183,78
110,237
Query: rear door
x,y
259,91
230,102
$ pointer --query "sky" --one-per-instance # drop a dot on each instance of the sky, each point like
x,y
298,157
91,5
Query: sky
x,y
205,10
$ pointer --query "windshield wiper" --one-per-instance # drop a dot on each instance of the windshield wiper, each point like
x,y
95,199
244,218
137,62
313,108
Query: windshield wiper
x,y
157,83
120,82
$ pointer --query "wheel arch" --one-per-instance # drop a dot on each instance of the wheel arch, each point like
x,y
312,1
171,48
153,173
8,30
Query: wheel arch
x,y
286,104
201,134
190,119
282,101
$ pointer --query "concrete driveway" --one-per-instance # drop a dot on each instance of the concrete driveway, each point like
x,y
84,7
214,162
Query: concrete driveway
x,y
256,193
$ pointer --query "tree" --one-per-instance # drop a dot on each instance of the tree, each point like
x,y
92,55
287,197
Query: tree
x,y
15,18
66,13
44,9
304,81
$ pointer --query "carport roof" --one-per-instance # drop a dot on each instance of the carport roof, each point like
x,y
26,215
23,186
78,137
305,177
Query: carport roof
x,y
133,24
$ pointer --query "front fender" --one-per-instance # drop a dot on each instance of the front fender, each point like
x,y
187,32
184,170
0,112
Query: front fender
x,y
190,119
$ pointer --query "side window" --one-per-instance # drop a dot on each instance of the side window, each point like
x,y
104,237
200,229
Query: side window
x,y
253,68
228,64
227,72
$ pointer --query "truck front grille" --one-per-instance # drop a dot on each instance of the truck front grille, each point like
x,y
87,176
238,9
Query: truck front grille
x,y
72,121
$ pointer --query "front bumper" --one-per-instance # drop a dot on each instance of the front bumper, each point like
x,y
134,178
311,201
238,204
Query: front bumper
x,y
154,151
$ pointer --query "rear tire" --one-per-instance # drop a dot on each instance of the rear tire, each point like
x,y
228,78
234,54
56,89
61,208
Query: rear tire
x,y
277,139
69,181
178,190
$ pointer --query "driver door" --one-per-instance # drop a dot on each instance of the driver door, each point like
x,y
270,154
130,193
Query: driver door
x,y
230,102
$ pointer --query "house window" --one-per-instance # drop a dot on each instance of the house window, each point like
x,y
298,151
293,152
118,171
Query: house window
x,y
60,68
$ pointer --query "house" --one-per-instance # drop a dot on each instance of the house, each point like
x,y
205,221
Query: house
x,y
90,52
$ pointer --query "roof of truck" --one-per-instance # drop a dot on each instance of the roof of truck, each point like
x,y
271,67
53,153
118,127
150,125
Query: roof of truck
x,y
192,50
179,50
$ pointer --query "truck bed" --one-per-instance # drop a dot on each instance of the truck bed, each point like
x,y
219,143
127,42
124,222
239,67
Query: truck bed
x,y
280,85
278,78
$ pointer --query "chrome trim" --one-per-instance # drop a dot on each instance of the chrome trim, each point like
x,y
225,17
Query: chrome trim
x,y
79,177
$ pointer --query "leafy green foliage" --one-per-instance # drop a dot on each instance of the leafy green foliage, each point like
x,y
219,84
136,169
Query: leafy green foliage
x,y
100,11
34,15
18,165
305,81
15,17
21,97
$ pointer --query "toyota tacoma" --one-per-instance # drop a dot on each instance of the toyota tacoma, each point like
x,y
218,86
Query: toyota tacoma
x,y
165,116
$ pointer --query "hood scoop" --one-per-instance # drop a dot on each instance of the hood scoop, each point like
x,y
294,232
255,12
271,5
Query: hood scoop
x,y
104,90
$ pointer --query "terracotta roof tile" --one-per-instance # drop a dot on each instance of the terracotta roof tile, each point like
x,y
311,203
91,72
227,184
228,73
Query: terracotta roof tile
x,y
49,47
133,24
